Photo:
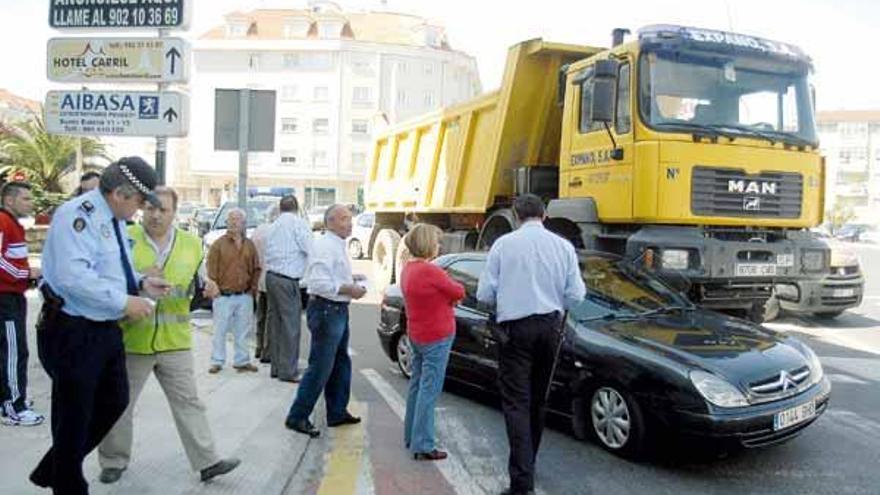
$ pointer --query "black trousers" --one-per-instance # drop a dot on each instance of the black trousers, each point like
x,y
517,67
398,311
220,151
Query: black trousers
x,y
86,362
526,362
13,351
262,343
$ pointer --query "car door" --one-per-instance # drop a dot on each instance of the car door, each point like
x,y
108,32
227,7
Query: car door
x,y
474,348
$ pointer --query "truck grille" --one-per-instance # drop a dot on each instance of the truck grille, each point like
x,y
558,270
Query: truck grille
x,y
733,193
780,385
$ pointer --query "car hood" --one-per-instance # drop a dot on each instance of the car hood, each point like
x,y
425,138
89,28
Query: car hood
x,y
737,350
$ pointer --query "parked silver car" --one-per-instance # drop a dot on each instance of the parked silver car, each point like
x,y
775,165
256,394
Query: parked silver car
x,y
361,235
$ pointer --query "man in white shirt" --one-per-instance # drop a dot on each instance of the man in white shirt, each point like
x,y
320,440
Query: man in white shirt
x,y
531,276
331,286
288,243
259,237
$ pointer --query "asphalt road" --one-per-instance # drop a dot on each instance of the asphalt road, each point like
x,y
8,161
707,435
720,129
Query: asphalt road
x,y
839,454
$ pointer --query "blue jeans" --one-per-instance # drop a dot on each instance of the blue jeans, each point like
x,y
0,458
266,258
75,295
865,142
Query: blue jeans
x,y
428,371
329,364
234,313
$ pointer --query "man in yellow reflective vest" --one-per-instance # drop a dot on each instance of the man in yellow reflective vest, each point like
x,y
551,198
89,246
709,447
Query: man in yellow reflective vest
x,y
162,344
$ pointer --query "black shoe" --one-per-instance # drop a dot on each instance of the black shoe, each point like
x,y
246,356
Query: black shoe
x,y
434,455
348,419
293,379
303,426
40,480
222,467
265,360
511,491
110,475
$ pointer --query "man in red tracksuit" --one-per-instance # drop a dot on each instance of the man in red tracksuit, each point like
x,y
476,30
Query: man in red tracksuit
x,y
17,202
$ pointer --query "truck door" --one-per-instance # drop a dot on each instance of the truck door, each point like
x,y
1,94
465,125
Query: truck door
x,y
595,167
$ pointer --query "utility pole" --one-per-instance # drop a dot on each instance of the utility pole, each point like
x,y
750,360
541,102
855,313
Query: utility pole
x,y
161,141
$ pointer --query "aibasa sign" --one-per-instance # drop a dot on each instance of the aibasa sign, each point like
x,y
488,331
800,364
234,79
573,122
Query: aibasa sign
x,y
117,59
116,113
119,14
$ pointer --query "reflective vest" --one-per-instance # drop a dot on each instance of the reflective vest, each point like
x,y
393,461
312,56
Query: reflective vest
x,y
167,329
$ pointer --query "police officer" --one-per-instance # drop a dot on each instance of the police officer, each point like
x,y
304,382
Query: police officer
x,y
89,285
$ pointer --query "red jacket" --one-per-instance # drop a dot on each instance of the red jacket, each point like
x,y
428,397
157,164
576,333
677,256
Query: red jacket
x,y
14,267
429,295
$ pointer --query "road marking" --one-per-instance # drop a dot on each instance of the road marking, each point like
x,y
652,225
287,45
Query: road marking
x,y
345,461
451,468
832,336
841,378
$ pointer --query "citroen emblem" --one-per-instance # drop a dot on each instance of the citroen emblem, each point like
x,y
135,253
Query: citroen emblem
x,y
786,380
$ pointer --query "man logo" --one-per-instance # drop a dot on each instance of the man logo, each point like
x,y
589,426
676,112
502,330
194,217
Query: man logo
x,y
752,187
751,203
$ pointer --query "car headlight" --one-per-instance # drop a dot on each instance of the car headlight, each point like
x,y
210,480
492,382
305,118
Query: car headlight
x,y
816,371
843,257
716,390
813,260
675,259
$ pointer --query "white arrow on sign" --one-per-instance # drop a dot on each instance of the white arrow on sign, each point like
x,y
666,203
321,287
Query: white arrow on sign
x,y
84,60
117,113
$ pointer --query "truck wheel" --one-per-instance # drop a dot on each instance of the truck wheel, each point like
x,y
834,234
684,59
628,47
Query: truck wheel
x,y
771,309
384,253
499,223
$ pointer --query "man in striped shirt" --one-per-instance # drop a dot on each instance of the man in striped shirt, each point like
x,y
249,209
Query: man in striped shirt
x,y
15,272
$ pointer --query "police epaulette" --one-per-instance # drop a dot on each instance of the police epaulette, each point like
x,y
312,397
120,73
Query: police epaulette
x,y
87,207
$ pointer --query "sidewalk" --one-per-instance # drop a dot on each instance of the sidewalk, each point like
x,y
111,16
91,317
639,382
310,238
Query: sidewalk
x,y
246,413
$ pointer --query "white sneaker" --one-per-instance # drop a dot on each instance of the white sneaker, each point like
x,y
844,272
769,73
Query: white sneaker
x,y
23,418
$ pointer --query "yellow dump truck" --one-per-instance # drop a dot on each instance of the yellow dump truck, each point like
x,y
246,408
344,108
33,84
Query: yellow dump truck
x,y
691,151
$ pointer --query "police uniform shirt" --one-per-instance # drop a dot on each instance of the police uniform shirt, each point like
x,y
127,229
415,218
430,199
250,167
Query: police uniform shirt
x,y
81,259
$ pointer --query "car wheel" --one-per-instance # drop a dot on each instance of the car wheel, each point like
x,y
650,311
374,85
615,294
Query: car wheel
x,y
355,250
404,355
828,315
617,421
384,252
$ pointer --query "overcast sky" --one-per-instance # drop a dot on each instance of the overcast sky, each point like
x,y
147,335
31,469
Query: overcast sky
x,y
840,35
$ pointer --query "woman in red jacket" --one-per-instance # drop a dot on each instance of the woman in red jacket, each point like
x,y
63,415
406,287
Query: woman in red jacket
x,y
429,296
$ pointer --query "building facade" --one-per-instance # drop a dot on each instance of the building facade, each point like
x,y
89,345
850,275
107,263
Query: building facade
x,y
338,77
850,141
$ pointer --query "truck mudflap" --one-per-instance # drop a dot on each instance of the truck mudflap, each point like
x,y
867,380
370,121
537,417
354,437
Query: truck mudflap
x,y
728,268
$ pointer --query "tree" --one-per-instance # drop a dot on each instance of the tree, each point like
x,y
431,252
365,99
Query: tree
x,y
46,159
839,215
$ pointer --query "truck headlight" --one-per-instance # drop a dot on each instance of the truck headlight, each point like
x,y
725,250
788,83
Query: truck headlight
x,y
716,390
813,260
843,257
675,259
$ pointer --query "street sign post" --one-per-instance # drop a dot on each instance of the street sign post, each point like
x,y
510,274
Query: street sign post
x,y
119,14
148,60
117,113
244,120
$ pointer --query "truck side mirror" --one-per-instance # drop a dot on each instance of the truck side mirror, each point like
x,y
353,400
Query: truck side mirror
x,y
604,89
602,106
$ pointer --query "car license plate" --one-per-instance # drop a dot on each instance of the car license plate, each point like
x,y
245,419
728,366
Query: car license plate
x,y
755,270
795,415
844,292
785,260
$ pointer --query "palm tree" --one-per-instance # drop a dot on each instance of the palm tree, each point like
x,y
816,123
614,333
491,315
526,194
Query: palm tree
x,y
45,158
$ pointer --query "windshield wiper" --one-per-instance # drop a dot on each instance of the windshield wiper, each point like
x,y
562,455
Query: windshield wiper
x,y
614,316
750,131
792,139
711,130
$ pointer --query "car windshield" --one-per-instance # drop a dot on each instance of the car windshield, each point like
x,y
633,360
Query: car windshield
x,y
617,287
257,212
739,95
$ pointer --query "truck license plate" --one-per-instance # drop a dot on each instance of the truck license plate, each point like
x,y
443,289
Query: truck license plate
x,y
793,416
755,270
844,292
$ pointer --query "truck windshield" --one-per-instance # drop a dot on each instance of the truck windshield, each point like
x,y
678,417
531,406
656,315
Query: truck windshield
x,y
730,95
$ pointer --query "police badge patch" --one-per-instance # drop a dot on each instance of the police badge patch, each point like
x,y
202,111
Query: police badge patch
x,y
87,207
79,224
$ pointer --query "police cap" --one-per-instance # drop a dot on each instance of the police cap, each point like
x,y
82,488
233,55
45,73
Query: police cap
x,y
140,175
